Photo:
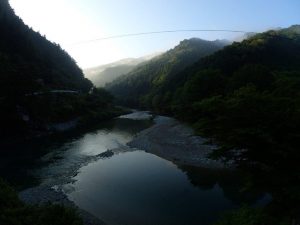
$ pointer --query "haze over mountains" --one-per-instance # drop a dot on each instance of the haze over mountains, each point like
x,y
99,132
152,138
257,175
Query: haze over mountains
x,y
104,74
147,78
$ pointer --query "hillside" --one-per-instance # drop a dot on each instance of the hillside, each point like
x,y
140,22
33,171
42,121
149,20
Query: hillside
x,y
234,95
246,96
151,76
104,74
29,62
40,84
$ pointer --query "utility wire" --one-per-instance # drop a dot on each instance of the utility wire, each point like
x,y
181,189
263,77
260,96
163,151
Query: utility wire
x,y
158,32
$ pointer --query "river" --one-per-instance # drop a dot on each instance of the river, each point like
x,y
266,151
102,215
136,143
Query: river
x,y
129,186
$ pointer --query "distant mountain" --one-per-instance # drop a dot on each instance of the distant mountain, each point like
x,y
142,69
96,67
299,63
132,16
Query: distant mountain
x,y
135,87
104,74
40,84
244,36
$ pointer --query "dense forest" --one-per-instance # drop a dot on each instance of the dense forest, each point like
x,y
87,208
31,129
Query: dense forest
x,y
245,98
246,95
40,84
139,87
242,89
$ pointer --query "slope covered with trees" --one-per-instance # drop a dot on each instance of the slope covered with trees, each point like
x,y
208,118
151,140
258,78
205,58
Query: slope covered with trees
x,y
246,98
40,84
247,95
139,87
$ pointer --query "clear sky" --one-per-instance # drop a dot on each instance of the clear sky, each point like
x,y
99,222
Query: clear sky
x,y
71,21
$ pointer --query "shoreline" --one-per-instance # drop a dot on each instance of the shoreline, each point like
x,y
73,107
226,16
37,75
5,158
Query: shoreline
x,y
51,190
166,138
170,139
45,194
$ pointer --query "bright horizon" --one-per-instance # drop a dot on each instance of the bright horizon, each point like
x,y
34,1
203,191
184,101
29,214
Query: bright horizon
x,y
67,22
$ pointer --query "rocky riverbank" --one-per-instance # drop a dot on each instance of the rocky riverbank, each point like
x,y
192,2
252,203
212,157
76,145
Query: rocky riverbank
x,y
51,191
45,194
174,141
167,138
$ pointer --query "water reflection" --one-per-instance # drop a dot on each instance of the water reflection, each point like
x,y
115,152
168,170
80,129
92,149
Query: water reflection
x,y
140,188
25,163
233,184
130,187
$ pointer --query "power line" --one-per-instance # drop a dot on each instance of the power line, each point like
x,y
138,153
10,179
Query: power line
x,y
159,32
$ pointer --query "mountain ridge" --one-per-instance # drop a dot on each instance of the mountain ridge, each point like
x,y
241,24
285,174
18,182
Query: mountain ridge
x,y
156,71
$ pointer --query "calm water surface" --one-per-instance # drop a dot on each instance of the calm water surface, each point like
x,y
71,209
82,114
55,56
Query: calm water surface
x,y
140,188
134,187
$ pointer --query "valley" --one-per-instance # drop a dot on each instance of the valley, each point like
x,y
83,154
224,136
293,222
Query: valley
x,y
205,132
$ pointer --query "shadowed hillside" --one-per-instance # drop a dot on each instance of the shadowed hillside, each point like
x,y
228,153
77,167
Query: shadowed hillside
x,y
40,84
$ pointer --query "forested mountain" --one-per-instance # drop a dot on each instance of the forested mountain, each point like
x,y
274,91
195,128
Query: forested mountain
x,y
138,87
104,74
246,96
246,99
40,84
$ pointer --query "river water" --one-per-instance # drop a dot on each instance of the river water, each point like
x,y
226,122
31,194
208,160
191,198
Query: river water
x,y
131,186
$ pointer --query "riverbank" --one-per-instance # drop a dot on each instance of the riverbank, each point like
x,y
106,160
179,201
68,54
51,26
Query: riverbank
x,y
166,138
44,194
62,165
176,142
51,190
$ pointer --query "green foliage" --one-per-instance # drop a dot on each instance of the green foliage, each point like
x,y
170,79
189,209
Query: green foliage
x,y
254,74
14,212
150,81
204,84
259,216
246,216
8,197
247,119
245,96
42,112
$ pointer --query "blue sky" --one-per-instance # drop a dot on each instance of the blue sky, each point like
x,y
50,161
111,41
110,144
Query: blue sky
x,y
71,21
